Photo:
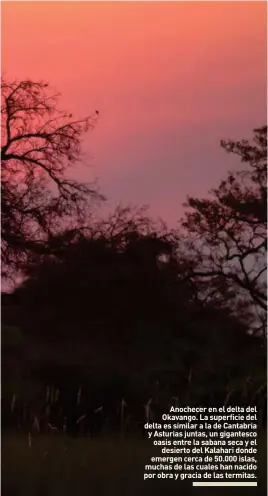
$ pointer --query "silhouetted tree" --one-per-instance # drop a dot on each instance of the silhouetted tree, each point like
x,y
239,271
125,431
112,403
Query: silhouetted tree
x,y
229,231
113,304
39,144
119,307
113,278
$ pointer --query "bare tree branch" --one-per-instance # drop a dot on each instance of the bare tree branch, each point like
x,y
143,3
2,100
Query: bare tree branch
x,y
39,144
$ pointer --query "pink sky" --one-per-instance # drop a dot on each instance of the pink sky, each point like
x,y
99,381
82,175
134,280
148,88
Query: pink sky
x,y
170,79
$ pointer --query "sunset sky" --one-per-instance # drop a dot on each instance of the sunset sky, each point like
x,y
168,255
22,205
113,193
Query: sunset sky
x,y
170,79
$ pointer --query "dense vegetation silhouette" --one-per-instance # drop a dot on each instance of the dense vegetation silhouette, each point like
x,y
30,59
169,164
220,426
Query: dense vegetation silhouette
x,y
115,319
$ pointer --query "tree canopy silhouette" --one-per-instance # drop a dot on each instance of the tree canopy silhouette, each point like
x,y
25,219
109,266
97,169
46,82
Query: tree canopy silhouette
x,y
121,291
123,303
229,230
39,145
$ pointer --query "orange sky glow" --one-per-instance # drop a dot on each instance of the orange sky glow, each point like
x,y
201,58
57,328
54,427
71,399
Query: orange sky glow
x,y
170,79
